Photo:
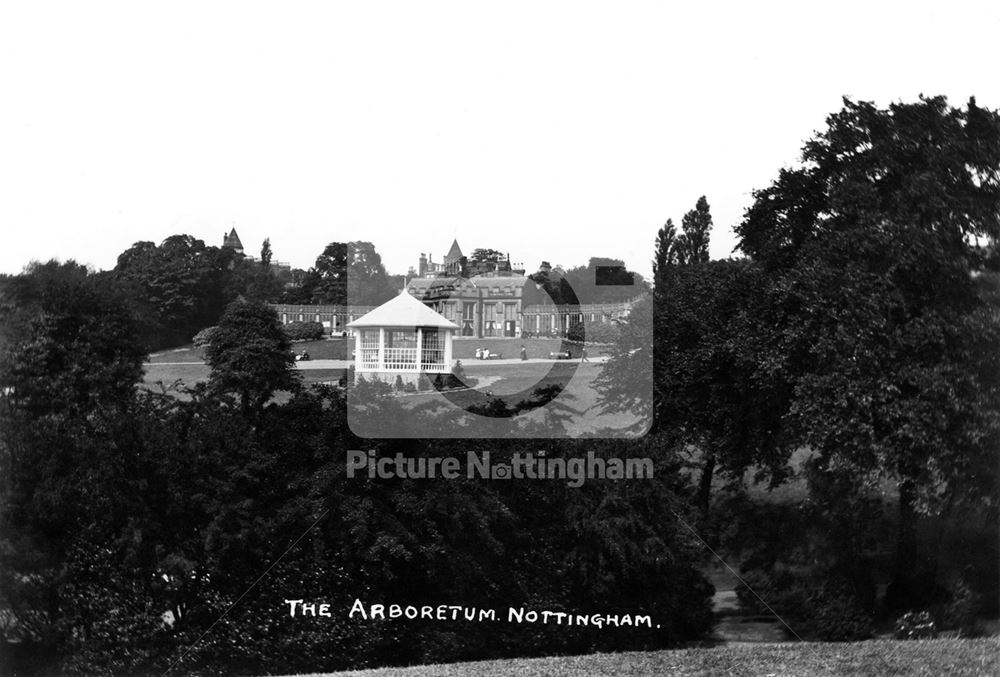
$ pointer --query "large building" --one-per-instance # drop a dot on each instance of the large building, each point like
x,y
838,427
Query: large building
x,y
480,306
483,298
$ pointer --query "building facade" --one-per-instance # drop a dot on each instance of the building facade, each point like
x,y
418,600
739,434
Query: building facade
x,y
490,299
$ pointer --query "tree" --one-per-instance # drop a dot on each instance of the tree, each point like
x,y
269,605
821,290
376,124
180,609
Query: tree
x,y
265,253
180,286
487,255
368,283
604,280
330,273
250,355
692,245
666,254
70,473
880,327
350,273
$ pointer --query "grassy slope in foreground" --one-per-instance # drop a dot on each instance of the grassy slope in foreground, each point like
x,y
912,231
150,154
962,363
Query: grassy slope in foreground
x,y
935,658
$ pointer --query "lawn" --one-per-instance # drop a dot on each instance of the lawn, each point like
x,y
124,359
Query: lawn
x,y
327,349
958,657
341,349
174,376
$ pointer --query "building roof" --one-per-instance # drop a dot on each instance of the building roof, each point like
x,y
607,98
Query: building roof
x,y
403,311
454,254
232,240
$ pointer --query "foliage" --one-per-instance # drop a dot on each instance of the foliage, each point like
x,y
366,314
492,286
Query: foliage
x,y
203,337
692,245
250,355
604,280
128,504
878,322
813,606
665,254
349,273
491,255
915,625
624,383
303,331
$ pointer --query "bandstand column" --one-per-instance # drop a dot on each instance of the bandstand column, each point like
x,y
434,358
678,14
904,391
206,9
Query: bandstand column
x,y
420,349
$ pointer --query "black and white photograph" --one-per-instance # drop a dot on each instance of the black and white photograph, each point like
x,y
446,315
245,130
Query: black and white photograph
x,y
450,338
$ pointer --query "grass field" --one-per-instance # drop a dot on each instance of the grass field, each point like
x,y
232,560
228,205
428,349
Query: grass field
x,y
930,658
341,349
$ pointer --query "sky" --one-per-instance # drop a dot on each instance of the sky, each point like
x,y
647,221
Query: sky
x,y
549,130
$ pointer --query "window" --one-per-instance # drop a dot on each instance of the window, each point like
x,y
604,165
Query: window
x,y
432,350
401,349
368,358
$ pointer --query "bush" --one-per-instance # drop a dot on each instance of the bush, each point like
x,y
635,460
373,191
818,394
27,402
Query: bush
x,y
603,332
816,607
915,625
204,337
303,331
398,385
835,614
961,610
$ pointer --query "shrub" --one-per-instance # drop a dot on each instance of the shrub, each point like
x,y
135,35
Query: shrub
x,y
576,332
603,332
398,385
961,610
817,608
915,625
423,382
835,614
409,388
303,331
204,337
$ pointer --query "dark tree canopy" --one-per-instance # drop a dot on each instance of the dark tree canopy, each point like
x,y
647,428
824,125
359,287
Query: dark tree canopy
x,y
349,273
250,355
919,170
879,327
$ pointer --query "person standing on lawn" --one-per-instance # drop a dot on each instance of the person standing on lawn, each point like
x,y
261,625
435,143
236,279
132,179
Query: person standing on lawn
x,y
583,355
524,353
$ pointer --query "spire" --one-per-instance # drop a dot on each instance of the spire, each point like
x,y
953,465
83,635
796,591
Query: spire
x,y
454,254
233,241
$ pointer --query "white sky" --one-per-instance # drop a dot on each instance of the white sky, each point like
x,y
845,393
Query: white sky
x,y
557,130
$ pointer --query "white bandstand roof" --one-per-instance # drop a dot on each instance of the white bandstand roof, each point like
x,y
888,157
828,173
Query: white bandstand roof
x,y
403,311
